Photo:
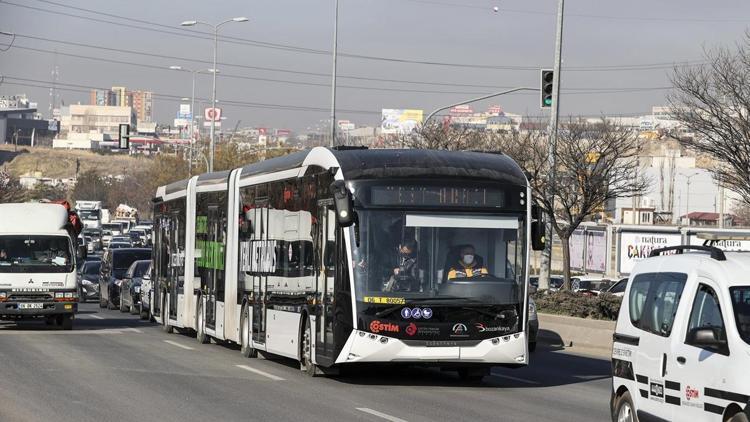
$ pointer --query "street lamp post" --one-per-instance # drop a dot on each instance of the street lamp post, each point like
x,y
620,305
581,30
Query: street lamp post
x,y
192,102
687,199
214,71
333,74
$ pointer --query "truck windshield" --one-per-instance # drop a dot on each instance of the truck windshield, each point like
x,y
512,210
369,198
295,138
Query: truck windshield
x,y
89,214
741,305
405,256
35,254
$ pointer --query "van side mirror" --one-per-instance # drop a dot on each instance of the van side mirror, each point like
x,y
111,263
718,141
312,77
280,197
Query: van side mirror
x,y
538,228
343,202
708,337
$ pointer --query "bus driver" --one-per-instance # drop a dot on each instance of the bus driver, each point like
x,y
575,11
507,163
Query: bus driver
x,y
467,265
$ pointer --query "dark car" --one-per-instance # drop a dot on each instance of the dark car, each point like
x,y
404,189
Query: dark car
x,y
130,288
88,280
115,264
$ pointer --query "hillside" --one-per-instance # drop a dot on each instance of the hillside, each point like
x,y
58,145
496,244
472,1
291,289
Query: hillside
x,y
57,163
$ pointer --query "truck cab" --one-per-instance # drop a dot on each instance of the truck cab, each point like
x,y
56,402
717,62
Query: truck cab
x,y
38,258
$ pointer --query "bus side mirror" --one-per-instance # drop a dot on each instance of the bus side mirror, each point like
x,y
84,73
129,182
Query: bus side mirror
x,y
538,229
342,201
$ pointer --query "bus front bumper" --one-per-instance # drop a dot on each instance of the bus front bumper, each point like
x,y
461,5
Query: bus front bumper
x,y
11,310
367,347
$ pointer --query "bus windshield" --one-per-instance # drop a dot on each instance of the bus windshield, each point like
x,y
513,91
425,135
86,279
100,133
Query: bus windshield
x,y
405,255
35,254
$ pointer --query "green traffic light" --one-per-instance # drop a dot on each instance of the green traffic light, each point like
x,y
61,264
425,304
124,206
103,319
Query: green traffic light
x,y
548,101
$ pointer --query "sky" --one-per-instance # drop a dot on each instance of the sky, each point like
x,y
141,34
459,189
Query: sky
x,y
275,69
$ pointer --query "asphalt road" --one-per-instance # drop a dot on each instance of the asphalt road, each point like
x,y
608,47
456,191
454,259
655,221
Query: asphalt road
x,y
114,367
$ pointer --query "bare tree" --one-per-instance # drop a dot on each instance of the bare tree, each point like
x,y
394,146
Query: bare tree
x,y
10,189
713,101
597,162
443,136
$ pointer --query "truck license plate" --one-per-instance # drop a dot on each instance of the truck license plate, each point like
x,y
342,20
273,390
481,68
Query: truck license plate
x,y
30,306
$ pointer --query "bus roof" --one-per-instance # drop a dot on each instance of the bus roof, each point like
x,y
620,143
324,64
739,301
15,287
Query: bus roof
x,y
363,163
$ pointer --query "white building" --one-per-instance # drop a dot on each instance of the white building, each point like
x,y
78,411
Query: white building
x,y
85,126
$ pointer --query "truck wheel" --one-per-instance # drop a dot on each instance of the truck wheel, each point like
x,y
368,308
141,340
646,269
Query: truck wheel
x,y
624,410
200,325
143,313
247,349
65,321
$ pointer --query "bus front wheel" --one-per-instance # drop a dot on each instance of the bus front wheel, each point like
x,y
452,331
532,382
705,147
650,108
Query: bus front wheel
x,y
306,363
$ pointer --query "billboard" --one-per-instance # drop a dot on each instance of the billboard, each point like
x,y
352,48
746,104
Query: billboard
x,y
576,250
400,120
635,246
725,244
461,110
595,257
184,112
212,114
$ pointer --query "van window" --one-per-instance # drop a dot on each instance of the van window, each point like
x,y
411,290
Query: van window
x,y
741,305
706,312
653,301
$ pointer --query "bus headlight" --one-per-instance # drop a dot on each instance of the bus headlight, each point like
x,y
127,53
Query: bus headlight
x,y
3,296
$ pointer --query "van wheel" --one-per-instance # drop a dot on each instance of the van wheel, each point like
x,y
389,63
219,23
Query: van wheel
x,y
306,364
200,326
247,349
625,411
740,417
165,318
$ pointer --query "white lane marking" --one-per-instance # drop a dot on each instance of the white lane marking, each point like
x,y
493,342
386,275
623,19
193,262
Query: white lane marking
x,y
259,372
515,379
181,346
96,316
380,414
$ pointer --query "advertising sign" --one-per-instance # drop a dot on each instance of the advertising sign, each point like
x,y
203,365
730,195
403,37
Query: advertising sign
x,y
400,120
461,110
217,125
212,114
635,246
576,250
725,245
181,122
596,251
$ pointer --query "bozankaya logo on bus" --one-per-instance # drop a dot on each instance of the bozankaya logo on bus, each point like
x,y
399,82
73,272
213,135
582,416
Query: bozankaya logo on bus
x,y
387,327
258,256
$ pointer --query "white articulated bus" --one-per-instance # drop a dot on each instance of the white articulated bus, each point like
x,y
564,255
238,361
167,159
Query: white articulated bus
x,y
340,256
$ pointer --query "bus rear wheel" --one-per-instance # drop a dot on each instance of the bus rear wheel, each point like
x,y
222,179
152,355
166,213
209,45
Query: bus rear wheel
x,y
306,363
247,349
200,325
165,317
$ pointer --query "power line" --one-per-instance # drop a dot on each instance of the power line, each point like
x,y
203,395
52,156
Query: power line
x,y
204,35
587,90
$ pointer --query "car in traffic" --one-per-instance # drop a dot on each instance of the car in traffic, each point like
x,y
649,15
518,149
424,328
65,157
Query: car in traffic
x,y
119,245
115,264
130,288
555,282
88,280
106,237
682,338
618,289
144,306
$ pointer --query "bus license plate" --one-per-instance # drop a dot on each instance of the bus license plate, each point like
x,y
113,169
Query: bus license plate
x,y
30,306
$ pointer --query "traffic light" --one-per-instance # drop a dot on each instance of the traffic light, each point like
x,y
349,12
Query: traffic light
x,y
546,89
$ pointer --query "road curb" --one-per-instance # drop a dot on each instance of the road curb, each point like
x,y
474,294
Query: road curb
x,y
570,332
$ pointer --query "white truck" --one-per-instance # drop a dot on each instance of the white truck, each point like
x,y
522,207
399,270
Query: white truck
x,y
90,213
38,256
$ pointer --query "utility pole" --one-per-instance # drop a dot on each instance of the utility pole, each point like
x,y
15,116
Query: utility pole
x,y
546,265
721,205
333,74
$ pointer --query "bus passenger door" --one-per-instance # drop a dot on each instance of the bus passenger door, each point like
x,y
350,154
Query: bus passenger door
x,y
210,270
259,247
176,281
326,278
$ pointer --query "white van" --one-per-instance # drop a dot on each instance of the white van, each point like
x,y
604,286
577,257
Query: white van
x,y
37,264
682,342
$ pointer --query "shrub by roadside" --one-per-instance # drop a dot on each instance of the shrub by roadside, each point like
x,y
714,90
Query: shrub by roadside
x,y
605,306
